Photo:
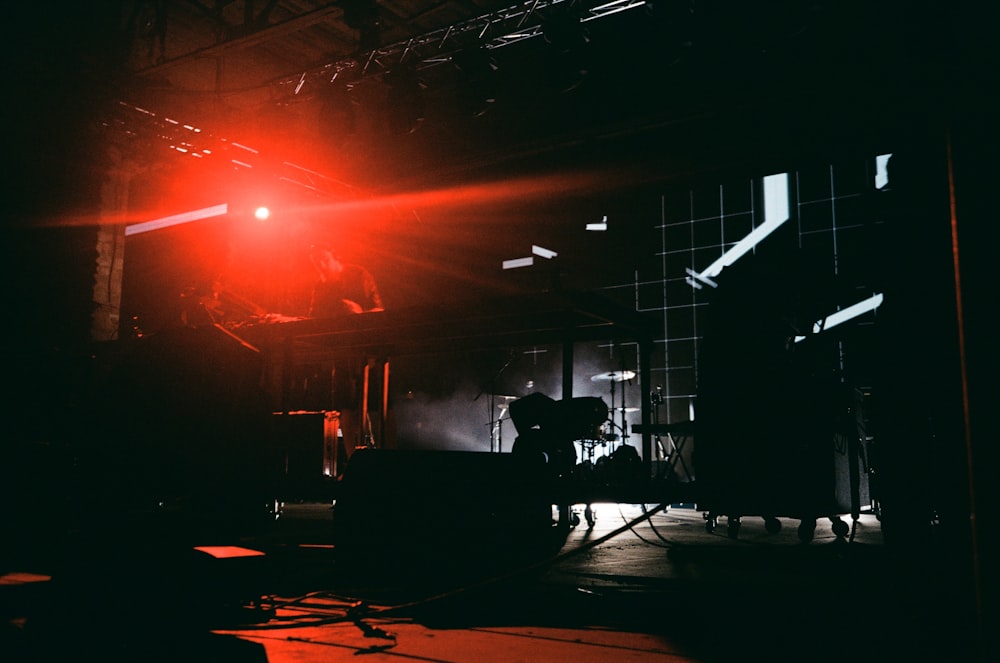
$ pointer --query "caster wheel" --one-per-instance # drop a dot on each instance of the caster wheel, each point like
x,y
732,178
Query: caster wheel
x,y
772,525
733,528
807,528
574,519
840,528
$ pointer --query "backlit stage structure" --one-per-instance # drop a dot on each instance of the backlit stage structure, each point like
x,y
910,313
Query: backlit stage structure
x,y
560,318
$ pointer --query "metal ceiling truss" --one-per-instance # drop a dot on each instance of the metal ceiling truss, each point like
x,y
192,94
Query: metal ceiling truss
x,y
494,30
137,125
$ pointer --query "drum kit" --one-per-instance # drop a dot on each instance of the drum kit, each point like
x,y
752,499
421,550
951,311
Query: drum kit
x,y
607,433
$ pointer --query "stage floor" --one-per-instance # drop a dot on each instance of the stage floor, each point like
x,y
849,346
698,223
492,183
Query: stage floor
x,y
635,586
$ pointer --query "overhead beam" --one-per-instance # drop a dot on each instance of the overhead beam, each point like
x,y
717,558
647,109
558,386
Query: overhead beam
x,y
493,30
254,38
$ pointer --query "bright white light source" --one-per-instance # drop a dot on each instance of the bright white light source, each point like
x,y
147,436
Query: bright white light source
x,y
176,219
603,225
543,252
518,262
882,170
262,213
776,198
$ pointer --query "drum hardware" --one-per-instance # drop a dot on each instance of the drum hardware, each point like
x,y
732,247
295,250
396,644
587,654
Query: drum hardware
x,y
496,426
656,400
613,377
589,446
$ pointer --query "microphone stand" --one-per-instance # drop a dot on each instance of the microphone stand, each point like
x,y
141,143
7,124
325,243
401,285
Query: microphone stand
x,y
492,385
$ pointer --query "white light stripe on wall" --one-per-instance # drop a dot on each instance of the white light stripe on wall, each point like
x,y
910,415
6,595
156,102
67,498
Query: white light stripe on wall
x,y
776,212
882,170
543,252
177,219
518,262
843,315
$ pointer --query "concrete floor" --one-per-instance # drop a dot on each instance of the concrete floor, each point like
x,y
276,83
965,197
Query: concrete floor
x,y
636,586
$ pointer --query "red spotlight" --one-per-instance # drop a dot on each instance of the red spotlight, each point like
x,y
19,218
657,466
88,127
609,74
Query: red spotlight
x,y
262,213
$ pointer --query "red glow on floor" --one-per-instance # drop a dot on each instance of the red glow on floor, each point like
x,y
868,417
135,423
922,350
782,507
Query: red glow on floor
x,y
228,552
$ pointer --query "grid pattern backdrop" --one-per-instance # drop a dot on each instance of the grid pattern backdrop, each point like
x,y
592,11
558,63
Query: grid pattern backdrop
x,y
831,210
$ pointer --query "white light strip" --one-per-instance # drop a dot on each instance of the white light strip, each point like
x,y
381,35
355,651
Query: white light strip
x,y
617,5
776,212
694,284
518,262
611,8
843,315
700,277
543,252
882,170
244,147
603,225
176,219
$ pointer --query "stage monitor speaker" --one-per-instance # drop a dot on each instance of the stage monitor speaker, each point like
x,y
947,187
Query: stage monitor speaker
x,y
308,445
444,510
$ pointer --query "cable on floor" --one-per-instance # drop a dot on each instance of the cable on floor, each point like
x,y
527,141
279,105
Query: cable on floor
x,y
362,610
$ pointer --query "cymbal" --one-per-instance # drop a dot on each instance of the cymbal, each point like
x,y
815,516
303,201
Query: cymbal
x,y
613,376
626,409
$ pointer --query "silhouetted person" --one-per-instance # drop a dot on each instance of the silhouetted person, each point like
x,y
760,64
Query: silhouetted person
x,y
343,289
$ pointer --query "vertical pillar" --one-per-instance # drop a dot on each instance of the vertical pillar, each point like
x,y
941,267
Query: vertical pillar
x,y
366,429
567,369
107,292
387,443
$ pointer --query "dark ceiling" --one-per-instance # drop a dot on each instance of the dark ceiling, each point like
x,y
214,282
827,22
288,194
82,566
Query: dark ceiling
x,y
399,93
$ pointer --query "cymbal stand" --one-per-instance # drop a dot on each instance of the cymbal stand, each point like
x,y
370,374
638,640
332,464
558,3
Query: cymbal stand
x,y
497,427
656,399
624,425
495,424
611,417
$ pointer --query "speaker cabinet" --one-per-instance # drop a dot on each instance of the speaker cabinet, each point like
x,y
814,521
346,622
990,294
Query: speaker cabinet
x,y
442,511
